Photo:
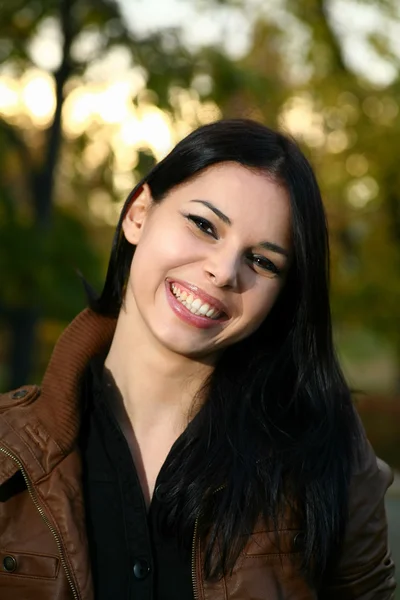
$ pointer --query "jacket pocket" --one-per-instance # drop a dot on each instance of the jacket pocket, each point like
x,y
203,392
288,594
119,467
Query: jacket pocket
x,y
270,566
275,544
23,564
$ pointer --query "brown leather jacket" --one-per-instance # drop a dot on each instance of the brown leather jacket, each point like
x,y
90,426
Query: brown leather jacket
x,y
43,547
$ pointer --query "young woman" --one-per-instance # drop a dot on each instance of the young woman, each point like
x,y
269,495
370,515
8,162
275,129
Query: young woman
x,y
194,437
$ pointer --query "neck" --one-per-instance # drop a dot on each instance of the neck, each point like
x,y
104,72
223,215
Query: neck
x,y
157,385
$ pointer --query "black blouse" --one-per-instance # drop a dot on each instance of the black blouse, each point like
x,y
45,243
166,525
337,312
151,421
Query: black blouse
x,y
131,557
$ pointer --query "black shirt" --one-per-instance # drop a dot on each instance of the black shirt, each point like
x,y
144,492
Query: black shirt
x,y
131,557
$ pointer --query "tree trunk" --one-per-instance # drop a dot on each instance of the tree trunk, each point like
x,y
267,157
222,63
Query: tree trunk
x,y
23,321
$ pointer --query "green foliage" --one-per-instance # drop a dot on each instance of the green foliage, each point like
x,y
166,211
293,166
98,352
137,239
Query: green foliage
x,y
41,268
347,125
355,152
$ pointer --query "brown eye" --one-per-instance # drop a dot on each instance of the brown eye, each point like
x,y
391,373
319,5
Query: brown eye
x,y
264,263
203,225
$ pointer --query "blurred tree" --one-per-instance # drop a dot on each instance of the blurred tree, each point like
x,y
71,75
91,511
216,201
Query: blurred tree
x,y
356,157
36,234
296,73
349,126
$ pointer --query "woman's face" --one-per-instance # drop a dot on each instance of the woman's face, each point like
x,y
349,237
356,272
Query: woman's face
x,y
211,259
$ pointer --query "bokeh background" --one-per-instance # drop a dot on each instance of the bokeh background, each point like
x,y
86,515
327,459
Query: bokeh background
x,y
92,92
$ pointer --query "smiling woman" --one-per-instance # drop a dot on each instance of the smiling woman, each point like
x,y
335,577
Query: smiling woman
x,y
194,436
223,240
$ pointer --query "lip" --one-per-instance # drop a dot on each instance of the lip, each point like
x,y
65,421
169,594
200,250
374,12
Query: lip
x,y
204,297
199,321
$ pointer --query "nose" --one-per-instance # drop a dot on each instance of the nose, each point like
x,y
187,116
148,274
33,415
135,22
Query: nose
x,y
222,268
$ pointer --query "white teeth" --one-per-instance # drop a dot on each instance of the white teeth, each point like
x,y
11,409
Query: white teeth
x,y
194,304
203,309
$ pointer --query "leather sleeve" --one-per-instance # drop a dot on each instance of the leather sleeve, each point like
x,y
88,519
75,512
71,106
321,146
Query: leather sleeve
x,y
365,570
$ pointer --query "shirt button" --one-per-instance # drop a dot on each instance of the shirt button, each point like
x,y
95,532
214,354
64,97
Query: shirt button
x,y
9,564
141,568
299,541
159,492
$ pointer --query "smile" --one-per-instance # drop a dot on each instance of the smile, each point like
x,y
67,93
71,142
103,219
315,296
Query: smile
x,y
195,304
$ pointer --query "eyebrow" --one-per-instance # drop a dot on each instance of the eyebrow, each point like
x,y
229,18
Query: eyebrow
x,y
266,245
274,248
215,210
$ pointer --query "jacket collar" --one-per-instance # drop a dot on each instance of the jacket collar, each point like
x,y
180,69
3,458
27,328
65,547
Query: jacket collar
x,y
40,427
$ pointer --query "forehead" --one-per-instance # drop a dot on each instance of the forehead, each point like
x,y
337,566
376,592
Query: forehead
x,y
250,198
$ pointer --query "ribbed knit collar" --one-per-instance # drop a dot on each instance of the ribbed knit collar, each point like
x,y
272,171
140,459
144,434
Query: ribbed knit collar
x,y
58,407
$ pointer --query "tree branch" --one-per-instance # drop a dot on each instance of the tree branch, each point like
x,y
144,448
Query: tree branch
x,y
45,180
331,36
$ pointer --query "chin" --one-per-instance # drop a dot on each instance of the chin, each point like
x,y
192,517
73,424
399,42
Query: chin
x,y
181,339
185,347
182,343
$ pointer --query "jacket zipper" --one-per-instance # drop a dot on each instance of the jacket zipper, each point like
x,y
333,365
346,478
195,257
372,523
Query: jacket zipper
x,y
35,501
194,582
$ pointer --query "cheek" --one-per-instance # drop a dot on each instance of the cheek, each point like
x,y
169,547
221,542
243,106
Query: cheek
x,y
161,249
259,302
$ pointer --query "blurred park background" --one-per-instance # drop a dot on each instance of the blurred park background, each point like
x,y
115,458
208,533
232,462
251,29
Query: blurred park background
x,y
92,92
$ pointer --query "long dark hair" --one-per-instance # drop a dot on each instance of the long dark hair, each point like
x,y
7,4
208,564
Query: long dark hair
x,y
278,428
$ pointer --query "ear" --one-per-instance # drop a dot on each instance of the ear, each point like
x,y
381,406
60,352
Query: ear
x,y
136,214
